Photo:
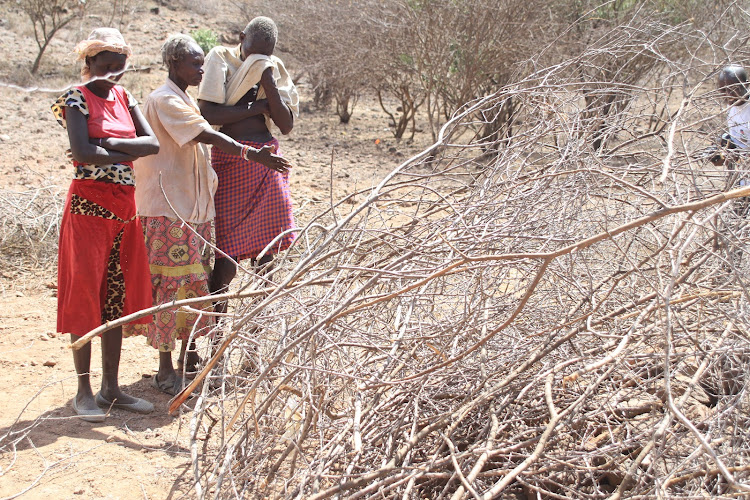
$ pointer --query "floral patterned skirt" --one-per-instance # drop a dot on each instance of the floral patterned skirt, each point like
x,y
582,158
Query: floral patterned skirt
x,y
180,266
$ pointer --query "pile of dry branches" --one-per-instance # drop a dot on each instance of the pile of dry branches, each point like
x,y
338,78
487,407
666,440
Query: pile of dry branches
x,y
29,223
528,315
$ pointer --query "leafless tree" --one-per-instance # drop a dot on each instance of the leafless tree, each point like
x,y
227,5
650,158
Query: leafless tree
x,y
48,17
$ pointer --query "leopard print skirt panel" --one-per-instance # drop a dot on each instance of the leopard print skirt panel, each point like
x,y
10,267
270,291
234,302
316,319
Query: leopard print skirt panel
x,y
115,302
115,298
82,206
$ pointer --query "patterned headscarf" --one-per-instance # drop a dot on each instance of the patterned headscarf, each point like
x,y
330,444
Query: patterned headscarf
x,y
100,40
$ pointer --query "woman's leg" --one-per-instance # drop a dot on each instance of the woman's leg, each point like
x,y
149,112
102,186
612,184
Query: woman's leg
x,y
183,352
263,265
166,368
222,275
167,379
82,362
189,358
224,272
111,346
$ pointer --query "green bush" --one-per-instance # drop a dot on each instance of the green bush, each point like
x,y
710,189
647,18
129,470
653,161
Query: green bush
x,y
206,38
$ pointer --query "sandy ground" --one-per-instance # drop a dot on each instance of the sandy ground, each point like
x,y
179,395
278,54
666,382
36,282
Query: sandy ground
x,y
45,451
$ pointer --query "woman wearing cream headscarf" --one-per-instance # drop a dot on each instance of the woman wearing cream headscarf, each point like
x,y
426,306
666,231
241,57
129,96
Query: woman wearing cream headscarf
x,y
103,271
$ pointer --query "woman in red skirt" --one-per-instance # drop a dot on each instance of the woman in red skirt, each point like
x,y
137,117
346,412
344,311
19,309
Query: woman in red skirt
x,y
103,271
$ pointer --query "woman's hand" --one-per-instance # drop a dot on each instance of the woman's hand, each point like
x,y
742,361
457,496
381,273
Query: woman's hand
x,y
266,155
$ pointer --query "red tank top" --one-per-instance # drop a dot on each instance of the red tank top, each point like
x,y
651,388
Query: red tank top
x,y
109,118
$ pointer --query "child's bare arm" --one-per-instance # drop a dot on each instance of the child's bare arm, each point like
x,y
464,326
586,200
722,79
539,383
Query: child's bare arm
x,y
219,114
280,113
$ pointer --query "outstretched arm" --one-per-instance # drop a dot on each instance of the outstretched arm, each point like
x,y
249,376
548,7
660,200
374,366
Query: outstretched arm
x,y
263,156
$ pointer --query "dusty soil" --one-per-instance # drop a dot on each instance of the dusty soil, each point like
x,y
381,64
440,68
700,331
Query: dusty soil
x,y
45,451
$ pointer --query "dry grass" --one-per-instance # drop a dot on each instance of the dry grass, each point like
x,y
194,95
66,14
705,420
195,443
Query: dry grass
x,y
29,225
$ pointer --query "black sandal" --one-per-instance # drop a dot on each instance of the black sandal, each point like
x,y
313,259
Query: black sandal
x,y
172,388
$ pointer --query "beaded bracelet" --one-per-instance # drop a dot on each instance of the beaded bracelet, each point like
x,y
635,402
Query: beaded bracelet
x,y
246,150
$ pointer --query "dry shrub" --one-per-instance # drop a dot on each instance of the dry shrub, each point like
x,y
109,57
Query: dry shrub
x,y
29,226
426,58
537,317
123,12
329,41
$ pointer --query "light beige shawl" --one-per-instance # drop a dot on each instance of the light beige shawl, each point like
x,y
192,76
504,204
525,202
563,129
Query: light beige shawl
x,y
227,78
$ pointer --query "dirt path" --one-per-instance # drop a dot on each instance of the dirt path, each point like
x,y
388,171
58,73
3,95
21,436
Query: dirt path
x,y
58,456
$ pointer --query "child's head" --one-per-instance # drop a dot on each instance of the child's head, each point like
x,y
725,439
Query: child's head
x,y
732,83
259,37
